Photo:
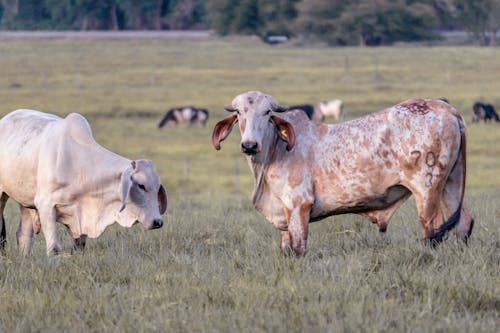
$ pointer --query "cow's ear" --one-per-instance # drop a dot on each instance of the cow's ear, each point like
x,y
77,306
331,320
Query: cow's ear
x,y
285,131
126,183
222,130
162,199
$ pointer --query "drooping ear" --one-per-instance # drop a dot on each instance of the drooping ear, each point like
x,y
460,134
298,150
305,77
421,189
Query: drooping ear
x,y
285,131
222,130
162,199
126,183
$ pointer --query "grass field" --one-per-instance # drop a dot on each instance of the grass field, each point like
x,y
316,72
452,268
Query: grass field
x,y
215,266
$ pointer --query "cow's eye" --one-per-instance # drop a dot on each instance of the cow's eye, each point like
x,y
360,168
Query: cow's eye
x,y
142,187
268,112
237,112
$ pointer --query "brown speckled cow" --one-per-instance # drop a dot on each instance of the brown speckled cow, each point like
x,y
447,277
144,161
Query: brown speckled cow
x,y
305,172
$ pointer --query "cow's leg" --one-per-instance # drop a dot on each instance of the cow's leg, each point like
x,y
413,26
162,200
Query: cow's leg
x,y
382,217
451,201
298,227
3,233
25,231
430,215
47,215
285,244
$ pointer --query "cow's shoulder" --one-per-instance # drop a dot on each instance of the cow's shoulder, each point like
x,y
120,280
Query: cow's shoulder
x,y
78,128
298,119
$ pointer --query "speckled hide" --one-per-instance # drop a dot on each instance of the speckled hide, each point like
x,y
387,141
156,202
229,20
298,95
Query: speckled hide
x,y
305,172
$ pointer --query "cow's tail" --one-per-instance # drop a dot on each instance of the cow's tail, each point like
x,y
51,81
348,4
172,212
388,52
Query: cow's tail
x,y
462,163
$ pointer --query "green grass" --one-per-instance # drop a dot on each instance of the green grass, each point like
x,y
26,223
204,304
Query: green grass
x,y
215,265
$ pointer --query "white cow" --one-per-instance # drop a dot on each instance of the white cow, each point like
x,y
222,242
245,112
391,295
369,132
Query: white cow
x,y
333,109
56,171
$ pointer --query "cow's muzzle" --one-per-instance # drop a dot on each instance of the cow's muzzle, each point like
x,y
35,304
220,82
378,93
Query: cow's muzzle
x,y
250,148
157,223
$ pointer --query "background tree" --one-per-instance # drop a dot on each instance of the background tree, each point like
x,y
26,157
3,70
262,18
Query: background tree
x,y
479,17
319,18
367,22
187,14
257,17
339,22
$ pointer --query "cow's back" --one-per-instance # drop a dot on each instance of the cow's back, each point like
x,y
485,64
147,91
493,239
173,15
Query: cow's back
x,y
360,159
22,134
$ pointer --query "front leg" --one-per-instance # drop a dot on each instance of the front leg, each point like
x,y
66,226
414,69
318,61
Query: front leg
x,y
298,228
285,245
47,215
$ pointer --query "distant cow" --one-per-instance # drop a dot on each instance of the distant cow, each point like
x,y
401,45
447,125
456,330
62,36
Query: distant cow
x,y
333,109
56,171
304,172
484,112
184,115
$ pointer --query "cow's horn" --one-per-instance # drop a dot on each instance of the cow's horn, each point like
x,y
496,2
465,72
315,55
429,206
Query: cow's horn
x,y
229,107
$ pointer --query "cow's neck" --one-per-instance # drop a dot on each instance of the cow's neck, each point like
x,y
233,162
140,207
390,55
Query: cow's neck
x,y
107,217
259,164
104,198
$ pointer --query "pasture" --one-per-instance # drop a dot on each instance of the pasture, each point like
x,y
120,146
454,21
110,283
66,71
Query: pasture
x,y
215,266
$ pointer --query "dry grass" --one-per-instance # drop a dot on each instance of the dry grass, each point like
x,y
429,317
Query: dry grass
x,y
215,266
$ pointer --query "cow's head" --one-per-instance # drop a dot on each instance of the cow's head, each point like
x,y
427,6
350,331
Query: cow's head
x,y
144,198
258,124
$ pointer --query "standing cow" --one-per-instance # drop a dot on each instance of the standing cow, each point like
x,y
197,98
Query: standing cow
x,y
56,171
333,109
184,115
305,172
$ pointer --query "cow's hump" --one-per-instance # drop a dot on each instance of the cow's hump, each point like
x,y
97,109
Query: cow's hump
x,y
79,128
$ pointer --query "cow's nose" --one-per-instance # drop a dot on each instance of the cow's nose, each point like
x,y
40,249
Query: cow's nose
x,y
157,223
249,147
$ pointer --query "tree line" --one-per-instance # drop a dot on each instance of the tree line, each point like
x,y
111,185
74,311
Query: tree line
x,y
338,22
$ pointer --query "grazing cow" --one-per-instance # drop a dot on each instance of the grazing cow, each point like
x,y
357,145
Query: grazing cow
x,y
484,112
185,115
333,109
56,171
305,171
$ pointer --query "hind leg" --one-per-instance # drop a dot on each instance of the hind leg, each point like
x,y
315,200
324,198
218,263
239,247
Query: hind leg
x,y
3,234
25,232
451,202
428,202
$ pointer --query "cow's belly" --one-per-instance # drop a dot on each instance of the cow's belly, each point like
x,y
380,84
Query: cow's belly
x,y
327,205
